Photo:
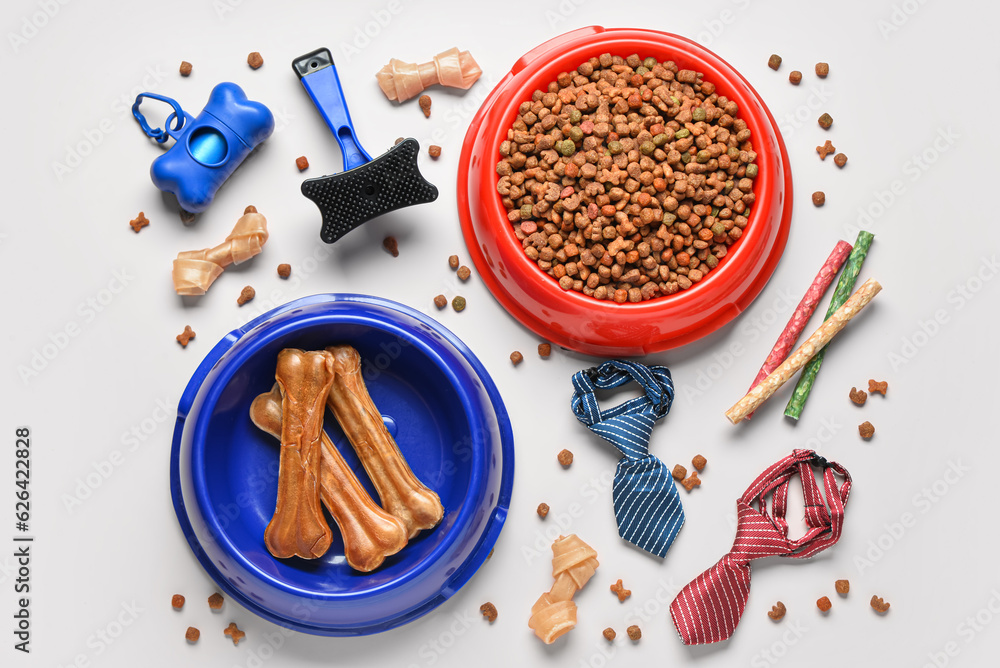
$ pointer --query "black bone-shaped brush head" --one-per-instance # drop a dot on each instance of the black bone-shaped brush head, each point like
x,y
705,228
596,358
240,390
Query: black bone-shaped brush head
x,y
389,182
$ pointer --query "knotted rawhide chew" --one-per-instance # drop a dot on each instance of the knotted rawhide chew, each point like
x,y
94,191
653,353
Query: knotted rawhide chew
x,y
195,271
401,81
573,564
647,504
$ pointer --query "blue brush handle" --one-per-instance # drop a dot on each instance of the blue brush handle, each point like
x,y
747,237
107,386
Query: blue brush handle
x,y
319,77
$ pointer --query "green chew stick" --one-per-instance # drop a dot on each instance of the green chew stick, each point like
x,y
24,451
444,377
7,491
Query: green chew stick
x,y
844,287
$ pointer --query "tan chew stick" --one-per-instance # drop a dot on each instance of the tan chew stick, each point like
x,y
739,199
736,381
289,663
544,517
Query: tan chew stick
x,y
401,493
195,271
822,336
573,564
370,534
401,81
298,526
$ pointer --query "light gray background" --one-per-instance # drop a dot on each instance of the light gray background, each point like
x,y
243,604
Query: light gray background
x,y
908,79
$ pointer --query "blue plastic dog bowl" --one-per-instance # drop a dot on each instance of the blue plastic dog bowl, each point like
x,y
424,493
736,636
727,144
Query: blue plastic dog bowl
x,y
447,418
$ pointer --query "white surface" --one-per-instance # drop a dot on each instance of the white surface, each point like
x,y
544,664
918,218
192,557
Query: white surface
x,y
63,240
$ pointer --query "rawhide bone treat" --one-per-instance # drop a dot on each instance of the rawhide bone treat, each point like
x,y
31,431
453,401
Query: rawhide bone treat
x,y
800,318
195,271
812,346
573,564
401,81
298,527
401,493
369,533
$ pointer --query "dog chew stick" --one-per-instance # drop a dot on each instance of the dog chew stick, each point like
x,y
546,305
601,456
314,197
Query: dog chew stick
x,y
815,343
800,318
402,494
195,271
844,286
298,527
370,534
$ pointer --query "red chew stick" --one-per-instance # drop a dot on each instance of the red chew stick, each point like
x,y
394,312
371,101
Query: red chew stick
x,y
800,318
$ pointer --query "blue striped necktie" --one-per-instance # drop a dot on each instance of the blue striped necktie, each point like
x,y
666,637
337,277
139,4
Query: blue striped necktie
x,y
647,505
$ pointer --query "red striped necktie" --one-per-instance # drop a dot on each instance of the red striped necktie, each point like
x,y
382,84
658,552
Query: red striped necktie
x,y
710,606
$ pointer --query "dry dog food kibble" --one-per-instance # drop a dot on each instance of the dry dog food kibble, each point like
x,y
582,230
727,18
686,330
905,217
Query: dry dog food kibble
x,y
184,338
186,217
777,611
246,295
822,69
192,634
544,349
458,303
425,105
185,68
215,601
464,273
691,481
565,457
302,162
543,510
840,160
177,601
488,611
609,634
825,150
627,179
234,632
679,472
795,77
453,261
634,632
866,429
255,60
284,270
391,245
440,301
842,586
858,396
879,605
819,198
434,151
619,590
825,121
774,62
139,222
824,604
516,358
877,386
699,462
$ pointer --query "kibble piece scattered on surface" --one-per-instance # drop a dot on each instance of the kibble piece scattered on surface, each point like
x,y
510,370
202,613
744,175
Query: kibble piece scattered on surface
x,y
234,632
425,105
184,338
842,586
302,162
215,601
840,160
192,634
774,62
185,68
139,222
516,358
453,261
825,121
609,633
824,604
284,270
391,245
464,273
177,601
434,151
544,349
246,295
822,69
440,301
679,472
634,632
878,386
542,510
859,397
777,611
795,77
826,149
879,605
488,611
619,590
458,303
186,217
691,481
399,140
699,462
819,198
866,429
565,457
255,60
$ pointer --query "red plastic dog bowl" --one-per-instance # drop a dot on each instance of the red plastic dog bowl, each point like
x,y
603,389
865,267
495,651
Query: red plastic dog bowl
x,y
571,319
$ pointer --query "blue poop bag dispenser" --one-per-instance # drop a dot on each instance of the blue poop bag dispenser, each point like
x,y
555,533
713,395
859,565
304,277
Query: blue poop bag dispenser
x,y
208,148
